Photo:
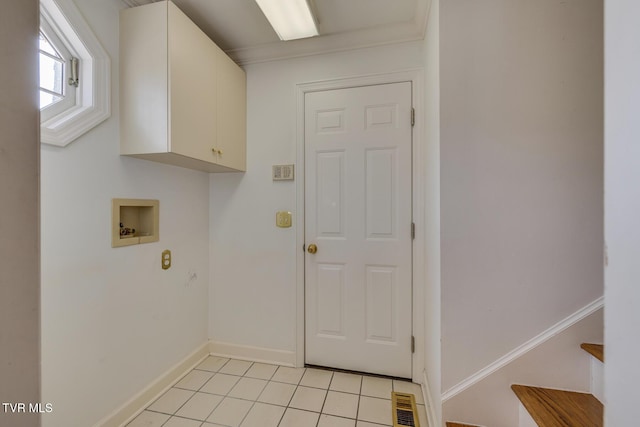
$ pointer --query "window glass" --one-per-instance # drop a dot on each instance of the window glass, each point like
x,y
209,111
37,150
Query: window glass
x,y
51,74
46,47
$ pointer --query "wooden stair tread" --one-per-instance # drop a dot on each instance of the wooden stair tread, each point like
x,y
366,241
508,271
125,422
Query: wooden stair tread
x,y
596,350
459,425
558,408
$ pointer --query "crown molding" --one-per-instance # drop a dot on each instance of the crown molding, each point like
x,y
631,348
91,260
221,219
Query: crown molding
x,y
340,42
134,3
423,8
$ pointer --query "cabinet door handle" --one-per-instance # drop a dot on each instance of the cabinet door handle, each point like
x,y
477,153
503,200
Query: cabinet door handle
x,y
214,151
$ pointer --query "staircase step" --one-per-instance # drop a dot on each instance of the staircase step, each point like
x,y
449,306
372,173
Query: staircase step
x,y
459,425
558,408
596,350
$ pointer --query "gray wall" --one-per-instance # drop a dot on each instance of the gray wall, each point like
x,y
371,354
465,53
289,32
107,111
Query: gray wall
x,y
432,260
19,211
521,172
622,211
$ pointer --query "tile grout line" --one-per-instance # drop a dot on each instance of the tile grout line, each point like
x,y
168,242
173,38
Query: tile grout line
x,y
246,415
359,397
230,397
267,381
326,395
325,398
246,400
293,394
179,388
227,394
215,406
281,382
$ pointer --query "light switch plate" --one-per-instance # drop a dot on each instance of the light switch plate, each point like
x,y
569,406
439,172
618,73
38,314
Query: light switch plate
x,y
282,172
283,219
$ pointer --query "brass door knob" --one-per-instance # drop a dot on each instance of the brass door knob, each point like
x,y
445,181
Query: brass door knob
x,y
312,249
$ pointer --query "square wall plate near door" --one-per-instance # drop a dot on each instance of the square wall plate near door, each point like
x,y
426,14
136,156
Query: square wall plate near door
x,y
283,219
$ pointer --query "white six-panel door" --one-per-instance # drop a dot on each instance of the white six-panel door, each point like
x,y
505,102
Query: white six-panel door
x,y
358,214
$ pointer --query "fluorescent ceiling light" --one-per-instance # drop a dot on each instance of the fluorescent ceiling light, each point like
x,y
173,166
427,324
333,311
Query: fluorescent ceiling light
x,y
291,19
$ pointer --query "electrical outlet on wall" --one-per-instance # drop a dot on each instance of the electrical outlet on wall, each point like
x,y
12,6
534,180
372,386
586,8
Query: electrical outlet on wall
x,y
166,259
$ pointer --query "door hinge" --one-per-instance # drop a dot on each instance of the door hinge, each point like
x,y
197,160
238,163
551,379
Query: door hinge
x,y
413,344
413,230
304,247
413,116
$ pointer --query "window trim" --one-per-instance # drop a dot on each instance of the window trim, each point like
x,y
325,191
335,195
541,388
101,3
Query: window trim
x,y
93,96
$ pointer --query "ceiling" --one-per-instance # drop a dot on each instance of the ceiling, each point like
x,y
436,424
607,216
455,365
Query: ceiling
x,y
240,28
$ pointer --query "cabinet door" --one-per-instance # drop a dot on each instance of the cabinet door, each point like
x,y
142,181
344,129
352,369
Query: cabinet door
x,y
143,79
232,113
192,88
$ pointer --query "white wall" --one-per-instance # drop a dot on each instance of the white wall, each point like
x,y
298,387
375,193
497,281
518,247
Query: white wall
x,y
557,363
253,263
112,320
432,220
622,211
521,163
19,213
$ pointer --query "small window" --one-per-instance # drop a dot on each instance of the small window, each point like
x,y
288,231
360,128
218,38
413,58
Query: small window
x,y
74,74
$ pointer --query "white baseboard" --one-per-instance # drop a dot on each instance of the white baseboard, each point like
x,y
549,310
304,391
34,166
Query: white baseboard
x,y
432,419
137,403
253,354
524,348
129,410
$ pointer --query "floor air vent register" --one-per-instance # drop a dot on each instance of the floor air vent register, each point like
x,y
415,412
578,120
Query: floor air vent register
x,y
404,410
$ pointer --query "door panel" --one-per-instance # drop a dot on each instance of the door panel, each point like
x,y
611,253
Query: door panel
x,y
358,213
330,300
381,172
330,193
381,288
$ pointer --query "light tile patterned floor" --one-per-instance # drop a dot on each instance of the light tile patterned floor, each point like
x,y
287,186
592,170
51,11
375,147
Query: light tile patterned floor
x,y
234,393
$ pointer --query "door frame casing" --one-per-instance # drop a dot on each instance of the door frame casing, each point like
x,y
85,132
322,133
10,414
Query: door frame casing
x,y
417,198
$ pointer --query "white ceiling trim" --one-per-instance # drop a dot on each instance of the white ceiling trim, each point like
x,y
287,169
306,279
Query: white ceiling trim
x,y
422,15
330,43
134,3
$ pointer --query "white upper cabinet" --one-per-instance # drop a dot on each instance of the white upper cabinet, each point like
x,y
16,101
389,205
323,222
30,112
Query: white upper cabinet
x,y
183,101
